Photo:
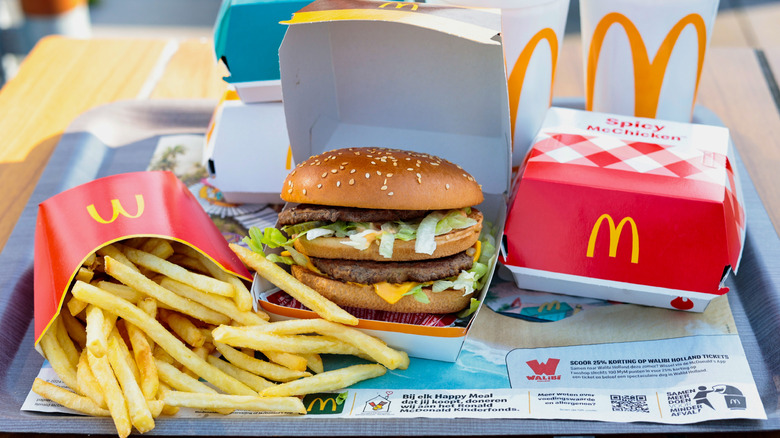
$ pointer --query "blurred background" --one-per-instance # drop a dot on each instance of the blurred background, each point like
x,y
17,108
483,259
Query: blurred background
x,y
752,23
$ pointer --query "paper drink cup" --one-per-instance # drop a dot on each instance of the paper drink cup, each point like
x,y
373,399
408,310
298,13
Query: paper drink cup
x,y
644,58
532,34
75,223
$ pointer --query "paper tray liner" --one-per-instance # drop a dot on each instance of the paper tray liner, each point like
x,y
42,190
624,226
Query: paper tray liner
x,y
75,223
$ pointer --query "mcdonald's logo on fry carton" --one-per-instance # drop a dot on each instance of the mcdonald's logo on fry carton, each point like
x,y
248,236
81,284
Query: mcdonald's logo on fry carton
x,y
73,224
603,208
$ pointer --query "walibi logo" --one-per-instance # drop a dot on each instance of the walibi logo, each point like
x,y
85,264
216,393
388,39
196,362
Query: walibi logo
x,y
545,371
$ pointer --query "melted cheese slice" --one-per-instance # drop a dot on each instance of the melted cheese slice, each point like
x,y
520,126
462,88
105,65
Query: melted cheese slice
x,y
393,292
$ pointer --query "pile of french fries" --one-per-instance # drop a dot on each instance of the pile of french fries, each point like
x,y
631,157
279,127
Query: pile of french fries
x,y
148,320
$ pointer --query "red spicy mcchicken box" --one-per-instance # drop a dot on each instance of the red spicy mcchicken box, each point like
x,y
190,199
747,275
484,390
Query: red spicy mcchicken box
x,y
75,223
627,209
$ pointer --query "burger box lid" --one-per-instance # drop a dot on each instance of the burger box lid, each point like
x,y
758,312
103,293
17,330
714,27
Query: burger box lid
x,y
247,35
627,209
75,223
408,76
247,151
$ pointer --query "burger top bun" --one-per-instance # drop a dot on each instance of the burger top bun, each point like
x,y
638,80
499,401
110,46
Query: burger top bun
x,y
381,178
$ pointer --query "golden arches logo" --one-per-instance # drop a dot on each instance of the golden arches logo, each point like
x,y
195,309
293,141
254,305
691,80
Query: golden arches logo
x,y
117,209
517,77
400,5
323,404
648,76
614,236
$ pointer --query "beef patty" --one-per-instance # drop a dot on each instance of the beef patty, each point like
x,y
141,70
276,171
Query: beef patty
x,y
327,213
368,272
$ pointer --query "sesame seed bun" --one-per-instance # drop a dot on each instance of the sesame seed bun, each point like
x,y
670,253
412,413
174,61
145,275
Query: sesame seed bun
x,y
381,178
446,244
363,296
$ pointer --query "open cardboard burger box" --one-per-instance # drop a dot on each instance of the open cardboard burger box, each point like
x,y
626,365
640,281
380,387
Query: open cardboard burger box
x,y
243,142
405,76
627,209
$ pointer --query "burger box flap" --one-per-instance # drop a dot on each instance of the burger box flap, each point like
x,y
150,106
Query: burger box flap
x,y
75,223
247,151
247,35
407,76
627,209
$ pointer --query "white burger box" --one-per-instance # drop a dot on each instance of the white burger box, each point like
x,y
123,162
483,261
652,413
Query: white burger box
x,y
627,209
247,151
407,76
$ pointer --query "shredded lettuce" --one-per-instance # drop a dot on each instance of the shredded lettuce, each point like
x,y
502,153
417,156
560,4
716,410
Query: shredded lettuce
x,y
473,306
296,229
361,240
455,219
270,236
426,234
418,294
425,231
386,240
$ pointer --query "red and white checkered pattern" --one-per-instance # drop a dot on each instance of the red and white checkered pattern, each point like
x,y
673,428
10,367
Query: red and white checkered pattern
x,y
635,156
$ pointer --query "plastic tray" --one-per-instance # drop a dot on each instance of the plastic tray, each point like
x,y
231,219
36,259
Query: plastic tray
x,y
121,137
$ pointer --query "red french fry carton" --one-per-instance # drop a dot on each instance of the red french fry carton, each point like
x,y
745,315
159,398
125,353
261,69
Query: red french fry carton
x,y
627,209
75,223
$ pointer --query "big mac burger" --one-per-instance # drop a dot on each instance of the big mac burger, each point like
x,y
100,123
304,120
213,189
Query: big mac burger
x,y
385,229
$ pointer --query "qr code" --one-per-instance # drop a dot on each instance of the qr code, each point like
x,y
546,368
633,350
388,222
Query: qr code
x,y
629,403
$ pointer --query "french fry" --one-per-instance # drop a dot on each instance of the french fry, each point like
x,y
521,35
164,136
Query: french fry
x,y
288,360
163,355
115,399
141,283
240,337
183,382
116,254
166,409
75,306
262,368
327,381
314,363
307,296
242,296
84,274
157,247
183,327
87,384
162,266
97,340
253,381
142,353
59,359
120,290
125,351
90,260
149,305
187,262
222,305
162,337
250,403
68,399
140,415
156,407
373,347
65,341
75,329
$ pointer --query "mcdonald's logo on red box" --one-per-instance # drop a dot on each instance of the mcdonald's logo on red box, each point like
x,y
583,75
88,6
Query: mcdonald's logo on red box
x,y
625,217
73,224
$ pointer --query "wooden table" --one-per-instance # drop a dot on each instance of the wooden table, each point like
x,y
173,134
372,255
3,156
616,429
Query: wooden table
x,y
63,78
